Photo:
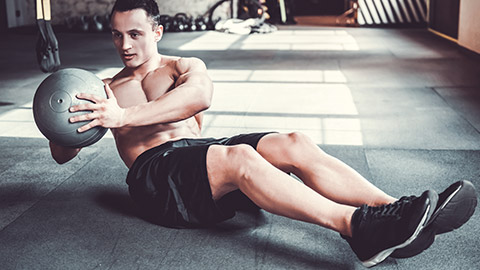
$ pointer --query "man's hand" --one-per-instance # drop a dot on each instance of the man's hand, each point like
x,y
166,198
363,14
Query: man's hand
x,y
105,112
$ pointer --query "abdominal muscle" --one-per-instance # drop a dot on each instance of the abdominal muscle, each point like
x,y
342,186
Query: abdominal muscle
x,y
133,141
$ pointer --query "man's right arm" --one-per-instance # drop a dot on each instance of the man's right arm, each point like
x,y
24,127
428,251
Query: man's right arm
x,y
63,154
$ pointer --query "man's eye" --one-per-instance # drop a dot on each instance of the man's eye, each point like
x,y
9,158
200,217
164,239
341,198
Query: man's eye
x,y
134,35
116,35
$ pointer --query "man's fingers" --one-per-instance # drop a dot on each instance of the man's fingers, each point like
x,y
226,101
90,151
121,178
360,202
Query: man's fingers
x,y
88,126
90,97
103,112
84,107
83,117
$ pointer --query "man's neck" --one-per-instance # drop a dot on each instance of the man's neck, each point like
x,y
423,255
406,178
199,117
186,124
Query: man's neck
x,y
151,64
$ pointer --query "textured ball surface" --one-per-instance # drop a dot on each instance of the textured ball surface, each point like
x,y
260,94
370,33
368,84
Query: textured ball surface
x,y
55,95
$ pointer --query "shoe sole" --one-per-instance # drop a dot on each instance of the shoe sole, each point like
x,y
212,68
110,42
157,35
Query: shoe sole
x,y
452,213
382,255
421,243
452,210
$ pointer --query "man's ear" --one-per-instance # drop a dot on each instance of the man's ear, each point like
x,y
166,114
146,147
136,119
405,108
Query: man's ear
x,y
158,32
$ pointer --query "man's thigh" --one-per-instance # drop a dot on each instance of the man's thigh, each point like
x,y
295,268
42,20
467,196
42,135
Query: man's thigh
x,y
226,159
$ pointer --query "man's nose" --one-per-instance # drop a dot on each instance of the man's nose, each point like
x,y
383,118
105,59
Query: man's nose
x,y
126,44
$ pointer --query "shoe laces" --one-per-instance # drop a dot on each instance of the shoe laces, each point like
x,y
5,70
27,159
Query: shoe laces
x,y
392,210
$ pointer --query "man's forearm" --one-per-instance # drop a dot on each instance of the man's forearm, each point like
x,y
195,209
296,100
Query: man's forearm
x,y
177,105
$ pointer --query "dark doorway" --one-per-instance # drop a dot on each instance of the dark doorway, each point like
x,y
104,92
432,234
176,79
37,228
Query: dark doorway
x,y
319,7
444,15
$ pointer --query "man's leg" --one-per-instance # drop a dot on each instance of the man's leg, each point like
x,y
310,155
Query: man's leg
x,y
330,177
241,167
372,232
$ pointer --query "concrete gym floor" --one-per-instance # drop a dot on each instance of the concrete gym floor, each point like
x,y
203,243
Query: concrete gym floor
x,y
400,106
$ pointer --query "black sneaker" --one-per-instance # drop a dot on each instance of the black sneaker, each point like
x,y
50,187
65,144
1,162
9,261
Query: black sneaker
x,y
378,231
455,207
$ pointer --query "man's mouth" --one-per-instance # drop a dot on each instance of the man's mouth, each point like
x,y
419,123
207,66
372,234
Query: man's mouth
x,y
127,56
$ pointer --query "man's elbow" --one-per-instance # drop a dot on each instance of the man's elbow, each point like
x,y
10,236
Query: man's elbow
x,y
60,161
61,154
206,95
206,103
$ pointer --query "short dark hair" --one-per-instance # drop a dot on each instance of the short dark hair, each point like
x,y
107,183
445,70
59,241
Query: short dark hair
x,y
150,6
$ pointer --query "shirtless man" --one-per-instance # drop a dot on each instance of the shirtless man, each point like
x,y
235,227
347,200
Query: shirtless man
x,y
178,179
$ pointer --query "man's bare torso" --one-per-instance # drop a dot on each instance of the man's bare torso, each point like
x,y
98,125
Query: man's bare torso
x,y
131,90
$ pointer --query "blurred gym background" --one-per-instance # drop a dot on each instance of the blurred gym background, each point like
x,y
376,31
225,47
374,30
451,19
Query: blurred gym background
x,y
453,19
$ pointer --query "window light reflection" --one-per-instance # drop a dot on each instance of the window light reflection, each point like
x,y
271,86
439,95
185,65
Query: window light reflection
x,y
291,40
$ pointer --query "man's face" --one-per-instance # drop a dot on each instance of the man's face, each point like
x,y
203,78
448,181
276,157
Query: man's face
x,y
134,37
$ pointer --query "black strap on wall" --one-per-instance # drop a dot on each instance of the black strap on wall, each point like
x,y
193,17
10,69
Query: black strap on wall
x,y
3,16
48,56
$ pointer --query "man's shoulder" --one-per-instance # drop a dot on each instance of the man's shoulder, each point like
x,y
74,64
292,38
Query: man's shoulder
x,y
179,59
187,64
178,66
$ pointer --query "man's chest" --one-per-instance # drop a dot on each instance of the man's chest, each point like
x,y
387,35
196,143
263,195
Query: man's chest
x,y
136,92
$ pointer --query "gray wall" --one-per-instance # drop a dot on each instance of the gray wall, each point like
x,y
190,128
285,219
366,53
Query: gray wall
x,y
469,26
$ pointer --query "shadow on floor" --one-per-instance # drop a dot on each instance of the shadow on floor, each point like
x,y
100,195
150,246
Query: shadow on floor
x,y
116,201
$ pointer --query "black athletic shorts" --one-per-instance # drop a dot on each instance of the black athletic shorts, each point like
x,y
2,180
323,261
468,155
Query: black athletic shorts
x,y
170,186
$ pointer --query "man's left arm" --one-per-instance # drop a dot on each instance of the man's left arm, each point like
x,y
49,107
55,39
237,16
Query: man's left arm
x,y
192,94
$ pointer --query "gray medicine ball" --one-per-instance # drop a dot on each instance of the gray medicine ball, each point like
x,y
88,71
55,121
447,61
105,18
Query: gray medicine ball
x,y
55,95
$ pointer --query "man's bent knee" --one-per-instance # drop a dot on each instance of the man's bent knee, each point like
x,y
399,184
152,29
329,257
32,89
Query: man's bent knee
x,y
227,166
288,151
295,138
286,140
